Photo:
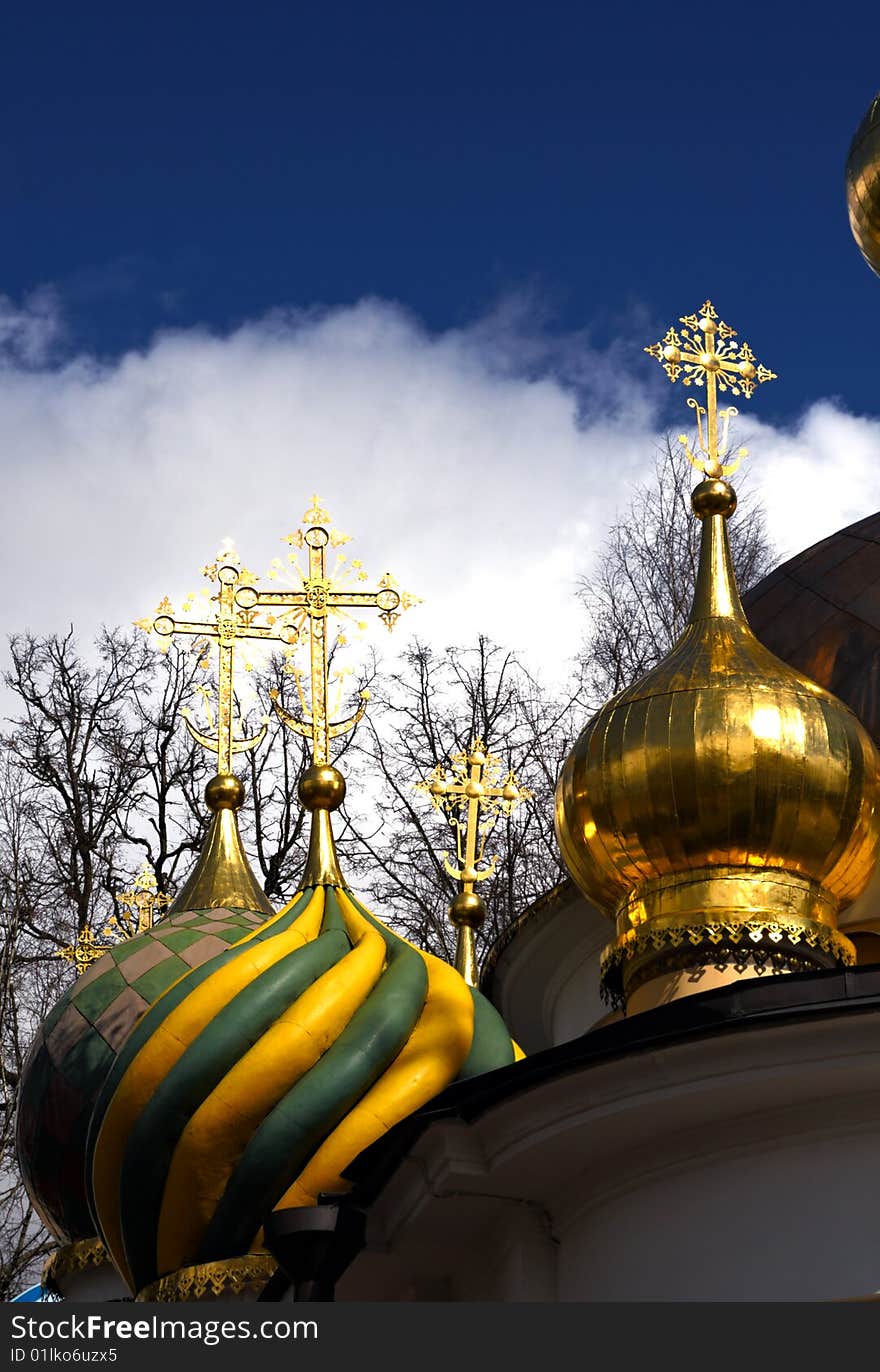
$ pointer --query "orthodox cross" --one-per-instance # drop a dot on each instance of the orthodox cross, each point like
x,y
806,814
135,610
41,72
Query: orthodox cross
x,y
319,594
704,352
138,906
472,796
137,914
84,951
228,625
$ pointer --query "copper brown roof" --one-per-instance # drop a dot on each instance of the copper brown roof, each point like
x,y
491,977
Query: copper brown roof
x,y
820,611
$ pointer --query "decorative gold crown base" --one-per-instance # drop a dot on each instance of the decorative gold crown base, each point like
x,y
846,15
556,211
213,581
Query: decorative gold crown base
x,y
748,918
72,1258
243,1278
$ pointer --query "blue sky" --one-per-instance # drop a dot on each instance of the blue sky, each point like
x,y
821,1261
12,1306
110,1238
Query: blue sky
x,y
194,163
402,249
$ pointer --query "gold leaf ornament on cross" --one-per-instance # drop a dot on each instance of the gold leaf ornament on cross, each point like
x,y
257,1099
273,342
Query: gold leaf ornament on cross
x,y
139,906
703,353
473,793
317,593
227,627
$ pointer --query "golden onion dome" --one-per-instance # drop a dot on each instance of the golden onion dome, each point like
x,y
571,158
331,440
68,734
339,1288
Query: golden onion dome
x,y
723,809
253,1081
863,185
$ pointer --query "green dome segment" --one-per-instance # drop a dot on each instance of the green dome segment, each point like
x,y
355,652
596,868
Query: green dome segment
x,y
492,1045
76,1046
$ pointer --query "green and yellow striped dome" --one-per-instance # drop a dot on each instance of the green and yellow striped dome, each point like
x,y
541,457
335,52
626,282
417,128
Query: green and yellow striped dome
x,y
256,1078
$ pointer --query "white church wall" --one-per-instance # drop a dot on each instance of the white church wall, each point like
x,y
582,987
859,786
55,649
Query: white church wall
x,y
789,1220
734,1165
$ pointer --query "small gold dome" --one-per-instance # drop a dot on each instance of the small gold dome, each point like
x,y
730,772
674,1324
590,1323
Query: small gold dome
x,y
863,186
723,809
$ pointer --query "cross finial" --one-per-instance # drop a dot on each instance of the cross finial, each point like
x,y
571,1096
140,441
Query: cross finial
x,y
83,951
137,909
472,794
226,626
702,354
139,905
317,594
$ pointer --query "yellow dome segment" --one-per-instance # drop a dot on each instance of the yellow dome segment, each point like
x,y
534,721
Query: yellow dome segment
x,y
724,807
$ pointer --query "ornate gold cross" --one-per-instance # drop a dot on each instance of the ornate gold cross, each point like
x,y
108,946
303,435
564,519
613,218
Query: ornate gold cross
x,y
473,795
84,951
137,914
319,594
138,906
230,623
704,352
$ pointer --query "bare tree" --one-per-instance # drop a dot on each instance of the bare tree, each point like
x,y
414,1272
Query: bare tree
x,y
638,597
74,742
423,713
94,774
274,822
165,821
30,982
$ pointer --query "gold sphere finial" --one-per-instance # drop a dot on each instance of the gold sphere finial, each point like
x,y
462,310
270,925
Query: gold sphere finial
x,y
468,909
713,497
321,787
224,792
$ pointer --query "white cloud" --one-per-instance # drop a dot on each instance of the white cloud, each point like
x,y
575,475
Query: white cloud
x,y
819,477
28,332
481,466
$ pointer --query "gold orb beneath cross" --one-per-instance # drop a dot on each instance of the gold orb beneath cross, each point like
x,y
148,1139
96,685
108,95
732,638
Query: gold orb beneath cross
x,y
713,497
224,792
468,909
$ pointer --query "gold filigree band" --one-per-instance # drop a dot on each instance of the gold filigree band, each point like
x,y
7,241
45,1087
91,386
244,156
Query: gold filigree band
x,y
247,1274
775,944
74,1257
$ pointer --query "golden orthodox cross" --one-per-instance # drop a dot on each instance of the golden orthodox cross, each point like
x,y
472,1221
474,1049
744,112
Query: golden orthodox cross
x,y
84,951
320,594
229,624
704,352
472,796
138,906
137,914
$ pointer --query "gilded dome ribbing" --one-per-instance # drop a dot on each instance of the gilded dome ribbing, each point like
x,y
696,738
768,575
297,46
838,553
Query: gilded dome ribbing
x,y
724,808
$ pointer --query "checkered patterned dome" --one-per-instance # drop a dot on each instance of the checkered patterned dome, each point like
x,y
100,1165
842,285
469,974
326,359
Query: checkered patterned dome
x,y
78,1041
